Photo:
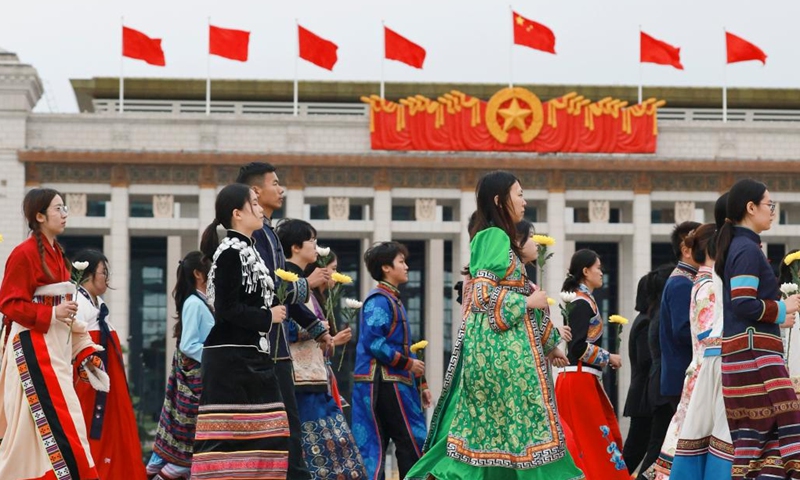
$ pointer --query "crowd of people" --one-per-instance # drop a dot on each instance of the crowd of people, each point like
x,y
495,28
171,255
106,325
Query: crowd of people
x,y
252,394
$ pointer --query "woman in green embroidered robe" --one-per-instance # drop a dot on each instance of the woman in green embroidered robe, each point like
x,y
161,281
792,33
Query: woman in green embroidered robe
x,y
496,418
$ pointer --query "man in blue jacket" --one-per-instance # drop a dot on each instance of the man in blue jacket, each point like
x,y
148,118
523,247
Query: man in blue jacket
x,y
263,179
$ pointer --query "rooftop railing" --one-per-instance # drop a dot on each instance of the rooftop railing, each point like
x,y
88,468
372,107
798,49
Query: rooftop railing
x,y
177,107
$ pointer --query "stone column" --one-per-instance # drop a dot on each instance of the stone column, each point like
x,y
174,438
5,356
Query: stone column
x,y
20,89
117,247
556,267
382,216
434,308
294,200
205,209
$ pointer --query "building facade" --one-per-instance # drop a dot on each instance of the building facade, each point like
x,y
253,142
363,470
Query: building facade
x,y
141,186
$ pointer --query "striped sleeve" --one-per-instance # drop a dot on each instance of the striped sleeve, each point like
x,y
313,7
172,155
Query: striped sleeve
x,y
747,305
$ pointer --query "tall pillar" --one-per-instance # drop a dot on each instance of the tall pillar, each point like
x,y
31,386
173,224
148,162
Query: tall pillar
x,y
117,246
434,308
382,216
461,251
642,238
20,89
205,209
294,200
556,267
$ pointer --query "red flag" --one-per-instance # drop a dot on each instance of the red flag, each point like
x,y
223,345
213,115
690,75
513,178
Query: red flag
x,y
228,43
740,50
655,51
316,49
534,35
402,49
136,44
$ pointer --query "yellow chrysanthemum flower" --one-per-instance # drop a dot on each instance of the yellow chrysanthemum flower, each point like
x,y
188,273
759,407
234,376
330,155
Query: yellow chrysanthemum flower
x,y
545,240
286,276
341,278
619,319
419,346
551,301
792,257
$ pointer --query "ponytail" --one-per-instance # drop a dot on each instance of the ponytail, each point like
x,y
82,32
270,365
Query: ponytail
x,y
186,284
210,240
724,237
583,258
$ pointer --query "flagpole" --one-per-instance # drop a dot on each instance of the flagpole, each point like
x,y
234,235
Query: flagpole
x,y
511,51
383,57
208,71
640,64
296,57
121,68
725,83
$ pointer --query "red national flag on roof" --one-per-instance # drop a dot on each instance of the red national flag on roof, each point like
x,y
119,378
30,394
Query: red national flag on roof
x,y
316,49
228,43
402,49
532,34
653,50
136,44
740,50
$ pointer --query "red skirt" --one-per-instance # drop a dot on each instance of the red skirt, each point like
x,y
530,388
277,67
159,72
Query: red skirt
x,y
112,429
585,409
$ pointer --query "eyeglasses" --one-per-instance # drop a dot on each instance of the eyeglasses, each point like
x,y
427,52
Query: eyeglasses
x,y
312,240
772,206
62,210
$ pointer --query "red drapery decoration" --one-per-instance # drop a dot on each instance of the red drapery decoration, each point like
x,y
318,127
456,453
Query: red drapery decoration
x,y
517,121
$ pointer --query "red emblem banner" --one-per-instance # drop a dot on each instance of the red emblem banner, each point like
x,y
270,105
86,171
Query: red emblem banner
x,y
514,119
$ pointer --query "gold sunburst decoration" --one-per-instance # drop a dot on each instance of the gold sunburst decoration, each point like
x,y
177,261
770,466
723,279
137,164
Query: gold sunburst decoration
x,y
523,104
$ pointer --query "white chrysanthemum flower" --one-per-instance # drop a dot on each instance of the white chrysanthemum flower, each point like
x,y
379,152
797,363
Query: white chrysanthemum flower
x,y
568,297
352,303
789,288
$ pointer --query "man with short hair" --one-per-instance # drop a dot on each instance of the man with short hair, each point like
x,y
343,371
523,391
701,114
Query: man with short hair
x,y
263,179
386,398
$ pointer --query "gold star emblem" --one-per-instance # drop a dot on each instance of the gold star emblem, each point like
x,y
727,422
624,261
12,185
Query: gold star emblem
x,y
520,20
514,116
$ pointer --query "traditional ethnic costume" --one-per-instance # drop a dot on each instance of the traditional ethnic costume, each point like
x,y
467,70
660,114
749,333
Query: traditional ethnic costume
x,y
172,448
701,311
41,422
297,293
582,402
704,450
761,405
329,448
242,430
386,398
497,417
113,432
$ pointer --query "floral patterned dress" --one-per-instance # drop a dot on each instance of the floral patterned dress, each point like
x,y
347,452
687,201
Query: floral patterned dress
x,y
701,323
497,415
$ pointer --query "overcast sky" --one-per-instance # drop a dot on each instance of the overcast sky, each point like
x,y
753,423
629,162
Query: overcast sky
x,y
466,40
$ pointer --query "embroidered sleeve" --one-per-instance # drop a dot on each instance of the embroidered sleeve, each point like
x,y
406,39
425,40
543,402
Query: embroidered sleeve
x,y
297,292
744,283
580,350
550,335
307,320
504,307
377,316
703,307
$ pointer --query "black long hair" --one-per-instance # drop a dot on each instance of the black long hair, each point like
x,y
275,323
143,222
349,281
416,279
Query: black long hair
x,y
581,259
185,284
490,214
232,197
743,192
720,208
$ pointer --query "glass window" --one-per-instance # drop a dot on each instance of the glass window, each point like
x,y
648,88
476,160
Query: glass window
x,y
148,333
